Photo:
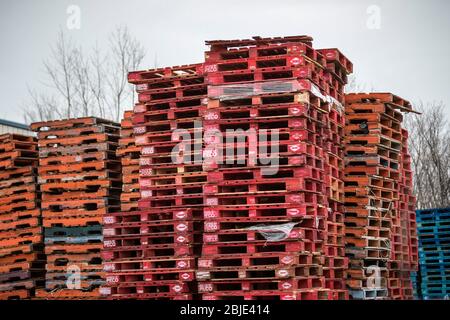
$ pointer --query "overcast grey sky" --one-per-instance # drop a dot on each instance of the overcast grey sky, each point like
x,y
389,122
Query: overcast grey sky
x,y
409,54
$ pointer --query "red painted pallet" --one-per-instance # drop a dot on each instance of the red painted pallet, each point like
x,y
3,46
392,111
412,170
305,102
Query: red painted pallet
x,y
281,197
150,227
259,259
113,251
189,91
152,287
247,63
276,110
169,114
277,73
262,246
268,125
273,212
315,282
268,185
259,273
161,74
152,215
162,275
317,294
141,265
240,236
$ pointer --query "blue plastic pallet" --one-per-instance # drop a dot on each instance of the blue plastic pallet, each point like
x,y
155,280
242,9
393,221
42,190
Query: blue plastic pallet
x,y
434,261
436,264
422,221
432,210
436,297
434,233
432,273
433,248
438,242
436,213
435,253
437,278
445,229
436,291
444,221
435,285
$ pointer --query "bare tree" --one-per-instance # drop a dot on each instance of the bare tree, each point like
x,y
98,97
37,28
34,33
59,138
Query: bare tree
x,y
353,86
126,55
97,81
429,143
42,107
60,72
81,85
83,93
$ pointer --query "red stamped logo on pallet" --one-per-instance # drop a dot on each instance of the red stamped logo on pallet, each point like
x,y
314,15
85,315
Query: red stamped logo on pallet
x,y
293,212
142,86
181,227
205,287
296,124
211,226
112,279
298,136
294,198
205,263
287,260
283,273
148,150
211,68
211,237
180,214
210,213
186,276
211,115
286,285
109,267
145,161
139,130
109,243
296,61
177,288
212,201
109,219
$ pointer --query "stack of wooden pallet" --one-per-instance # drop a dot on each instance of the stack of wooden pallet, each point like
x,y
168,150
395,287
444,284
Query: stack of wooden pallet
x,y
80,181
22,260
377,222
